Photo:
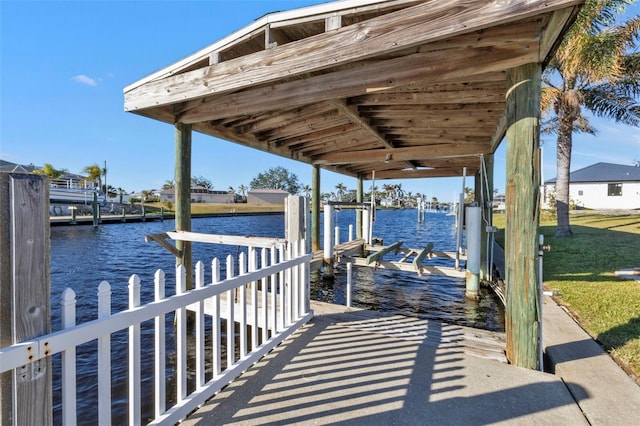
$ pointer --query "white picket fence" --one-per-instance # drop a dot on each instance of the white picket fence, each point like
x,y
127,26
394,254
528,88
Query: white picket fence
x,y
265,304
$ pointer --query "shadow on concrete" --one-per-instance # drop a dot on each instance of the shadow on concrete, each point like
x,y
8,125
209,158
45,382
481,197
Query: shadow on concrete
x,y
355,372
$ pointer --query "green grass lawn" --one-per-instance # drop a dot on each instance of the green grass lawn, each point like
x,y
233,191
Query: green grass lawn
x,y
582,268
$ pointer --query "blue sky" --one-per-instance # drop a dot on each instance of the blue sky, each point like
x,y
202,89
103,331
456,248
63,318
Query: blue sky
x,y
63,66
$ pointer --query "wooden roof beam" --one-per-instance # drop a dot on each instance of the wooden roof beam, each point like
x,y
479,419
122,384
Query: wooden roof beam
x,y
413,174
360,79
382,35
353,115
402,154
471,96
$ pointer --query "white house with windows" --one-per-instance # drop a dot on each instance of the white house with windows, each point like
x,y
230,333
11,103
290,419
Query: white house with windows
x,y
600,186
200,194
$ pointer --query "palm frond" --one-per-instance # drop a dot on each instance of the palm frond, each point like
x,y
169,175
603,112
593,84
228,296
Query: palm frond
x,y
551,125
548,99
617,101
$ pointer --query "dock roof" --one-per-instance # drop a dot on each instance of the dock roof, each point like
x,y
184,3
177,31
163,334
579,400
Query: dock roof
x,y
406,88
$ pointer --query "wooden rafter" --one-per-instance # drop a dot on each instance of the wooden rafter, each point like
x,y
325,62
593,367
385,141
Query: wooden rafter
x,y
395,86
353,115
402,154
389,33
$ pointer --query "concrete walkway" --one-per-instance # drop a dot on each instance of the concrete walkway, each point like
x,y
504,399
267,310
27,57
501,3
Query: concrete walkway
x,y
604,392
338,370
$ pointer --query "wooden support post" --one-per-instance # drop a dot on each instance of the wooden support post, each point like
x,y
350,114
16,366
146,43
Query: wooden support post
x,y
473,223
486,241
315,208
295,218
96,209
359,199
183,196
24,294
328,241
522,216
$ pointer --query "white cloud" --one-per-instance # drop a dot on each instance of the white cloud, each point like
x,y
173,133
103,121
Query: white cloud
x,y
83,79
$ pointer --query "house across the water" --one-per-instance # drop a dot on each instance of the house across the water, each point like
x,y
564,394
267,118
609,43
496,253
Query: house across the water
x,y
200,194
600,186
266,196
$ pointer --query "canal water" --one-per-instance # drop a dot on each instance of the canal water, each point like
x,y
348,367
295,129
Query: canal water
x,y
83,256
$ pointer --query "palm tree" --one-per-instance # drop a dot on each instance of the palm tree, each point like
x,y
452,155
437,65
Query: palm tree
x,y
399,193
340,188
390,192
121,193
50,171
168,184
243,191
595,67
307,190
94,174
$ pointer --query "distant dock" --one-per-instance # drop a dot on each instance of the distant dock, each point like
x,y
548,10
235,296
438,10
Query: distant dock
x,y
132,218
107,219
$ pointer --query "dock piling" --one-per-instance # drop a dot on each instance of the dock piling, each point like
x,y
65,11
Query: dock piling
x,y
328,243
473,221
349,285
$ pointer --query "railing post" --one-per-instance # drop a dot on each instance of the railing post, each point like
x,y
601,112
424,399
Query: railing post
x,y
200,329
295,284
215,327
68,304
253,266
274,293
242,263
265,294
104,357
289,284
134,354
230,320
282,288
159,347
181,336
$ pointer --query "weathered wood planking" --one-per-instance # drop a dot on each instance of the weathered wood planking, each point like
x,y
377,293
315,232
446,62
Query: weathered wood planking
x,y
395,31
414,153
26,210
354,81
450,337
